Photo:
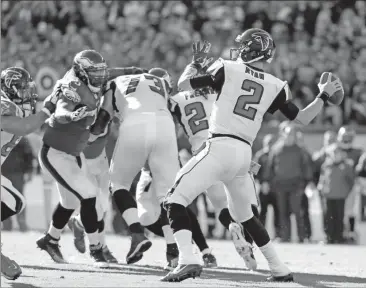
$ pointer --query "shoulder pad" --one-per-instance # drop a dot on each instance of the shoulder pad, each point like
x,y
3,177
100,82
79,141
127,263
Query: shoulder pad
x,y
71,91
219,63
9,108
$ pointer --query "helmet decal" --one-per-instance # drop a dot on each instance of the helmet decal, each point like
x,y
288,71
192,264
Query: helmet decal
x,y
262,38
10,77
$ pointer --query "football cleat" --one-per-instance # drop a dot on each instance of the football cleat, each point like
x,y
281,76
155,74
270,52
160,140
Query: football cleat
x,y
50,245
78,231
139,245
183,272
96,253
209,260
172,256
108,256
9,268
287,278
243,248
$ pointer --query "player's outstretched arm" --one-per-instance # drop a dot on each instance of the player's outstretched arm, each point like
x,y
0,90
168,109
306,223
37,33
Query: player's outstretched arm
x,y
327,90
306,115
23,126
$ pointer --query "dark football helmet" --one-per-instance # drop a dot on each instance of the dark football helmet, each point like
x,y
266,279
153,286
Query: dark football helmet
x,y
20,88
254,45
91,68
162,73
345,137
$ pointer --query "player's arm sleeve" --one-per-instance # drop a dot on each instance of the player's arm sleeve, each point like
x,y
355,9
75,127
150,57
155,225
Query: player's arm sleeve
x,y
116,72
17,125
214,78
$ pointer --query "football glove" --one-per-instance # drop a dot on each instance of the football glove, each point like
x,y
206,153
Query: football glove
x,y
78,114
200,51
330,87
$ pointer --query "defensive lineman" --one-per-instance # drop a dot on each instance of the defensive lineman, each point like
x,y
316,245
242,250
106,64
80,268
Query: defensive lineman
x,y
245,94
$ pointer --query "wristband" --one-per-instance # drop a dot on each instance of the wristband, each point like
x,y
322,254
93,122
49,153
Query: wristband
x,y
324,96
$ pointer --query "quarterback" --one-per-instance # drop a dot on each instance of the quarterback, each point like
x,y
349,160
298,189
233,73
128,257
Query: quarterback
x,y
18,99
193,109
245,93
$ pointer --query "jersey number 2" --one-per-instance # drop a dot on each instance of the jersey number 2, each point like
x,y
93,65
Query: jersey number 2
x,y
256,91
157,88
196,122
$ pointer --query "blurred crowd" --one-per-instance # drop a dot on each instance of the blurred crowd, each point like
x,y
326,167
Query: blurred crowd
x,y
311,37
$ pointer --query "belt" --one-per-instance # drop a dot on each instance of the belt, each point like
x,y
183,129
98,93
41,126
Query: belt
x,y
215,135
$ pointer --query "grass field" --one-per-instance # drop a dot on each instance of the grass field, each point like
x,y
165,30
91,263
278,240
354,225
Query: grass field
x,y
314,265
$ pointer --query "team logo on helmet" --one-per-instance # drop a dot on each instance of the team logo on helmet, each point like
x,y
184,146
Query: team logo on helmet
x,y
263,39
10,77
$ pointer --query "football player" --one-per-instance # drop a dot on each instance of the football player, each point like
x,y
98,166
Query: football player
x,y
245,93
345,138
147,134
18,99
77,98
193,109
97,162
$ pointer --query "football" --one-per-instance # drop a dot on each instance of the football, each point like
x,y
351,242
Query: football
x,y
338,96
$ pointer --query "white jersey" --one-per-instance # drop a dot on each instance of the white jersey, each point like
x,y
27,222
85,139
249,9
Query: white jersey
x,y
246,95
194,114
140,94
8,140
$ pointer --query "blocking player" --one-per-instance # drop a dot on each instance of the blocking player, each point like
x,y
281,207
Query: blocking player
x,y
78,95
245,94
18,99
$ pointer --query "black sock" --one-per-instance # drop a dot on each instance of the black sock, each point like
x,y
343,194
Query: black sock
x,y
156,228
88,215
6,212
124,200
178,217
247,236
351,221
61,216
258,232
101,226
225,218
197,234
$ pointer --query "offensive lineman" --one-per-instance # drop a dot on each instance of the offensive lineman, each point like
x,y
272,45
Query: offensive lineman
x,y
245,94
18,99
146,134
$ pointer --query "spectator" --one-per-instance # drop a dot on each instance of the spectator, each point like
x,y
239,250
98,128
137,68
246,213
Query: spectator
x,y
266,194
336,181
289,171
